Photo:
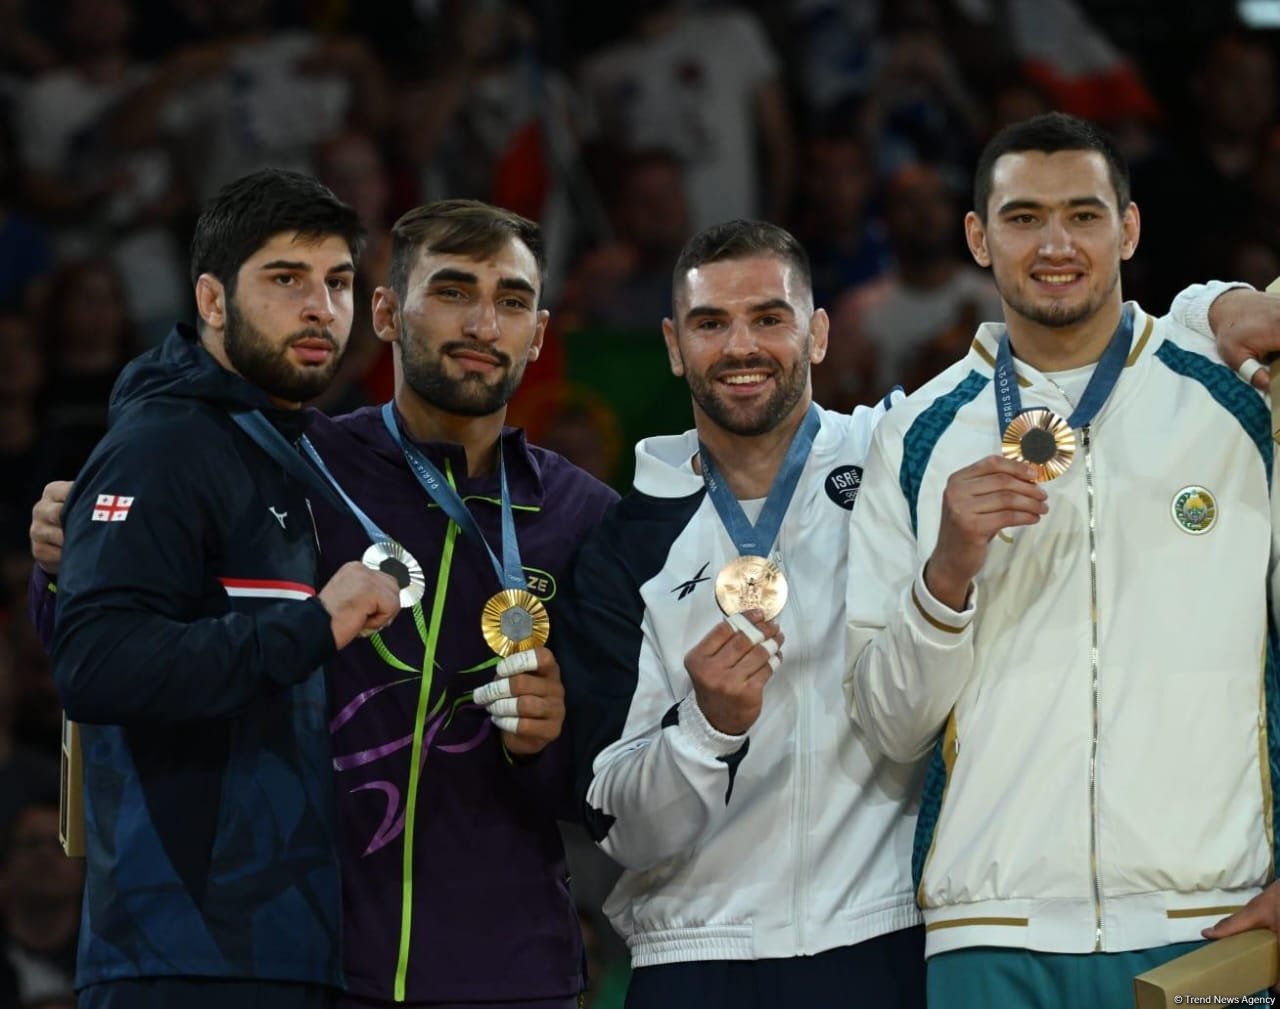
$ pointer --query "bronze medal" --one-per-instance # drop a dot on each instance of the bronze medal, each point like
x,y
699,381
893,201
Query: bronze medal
x,y
513,621
1042,439
751,583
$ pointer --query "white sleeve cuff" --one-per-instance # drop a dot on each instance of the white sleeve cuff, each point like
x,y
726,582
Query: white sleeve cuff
x,y
706,736
1191,306
935,620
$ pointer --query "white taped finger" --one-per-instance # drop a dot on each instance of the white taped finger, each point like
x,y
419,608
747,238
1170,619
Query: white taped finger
x,y
490,692
774,662
504,706
1250,367
741,623
770,646
518,662
511,725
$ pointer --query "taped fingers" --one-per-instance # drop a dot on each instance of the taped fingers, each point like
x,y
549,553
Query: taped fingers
x,y
518,662
504,707
507,724
1248,368
746,627
491,692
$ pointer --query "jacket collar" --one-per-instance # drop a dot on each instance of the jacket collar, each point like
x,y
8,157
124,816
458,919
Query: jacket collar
x,y
982,351
524,472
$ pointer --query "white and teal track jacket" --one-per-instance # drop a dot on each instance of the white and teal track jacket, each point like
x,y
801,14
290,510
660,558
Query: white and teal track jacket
x,y
1102,725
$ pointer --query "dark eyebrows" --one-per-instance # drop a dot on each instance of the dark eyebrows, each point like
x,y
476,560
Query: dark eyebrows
x,y
448,274
451,275
300,267
711,312
516,284
1013,206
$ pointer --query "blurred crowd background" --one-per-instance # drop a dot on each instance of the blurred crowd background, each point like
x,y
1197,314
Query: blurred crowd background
x,y
623,127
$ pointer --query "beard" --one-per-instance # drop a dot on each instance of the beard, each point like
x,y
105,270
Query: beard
x,y
1054,315
469,396
754,419
267,366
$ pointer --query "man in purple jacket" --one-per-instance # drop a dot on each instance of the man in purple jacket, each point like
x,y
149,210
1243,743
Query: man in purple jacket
x,y
454,885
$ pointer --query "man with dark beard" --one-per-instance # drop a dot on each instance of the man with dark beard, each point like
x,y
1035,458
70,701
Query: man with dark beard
x,y
1059,579
771,878
450,769
192,621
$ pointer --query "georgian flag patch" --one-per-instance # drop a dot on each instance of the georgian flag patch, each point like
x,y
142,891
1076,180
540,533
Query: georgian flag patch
x,y
112,508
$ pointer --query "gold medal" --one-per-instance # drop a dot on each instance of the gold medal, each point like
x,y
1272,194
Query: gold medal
x,y
391,558
514,621
1043,439
751,583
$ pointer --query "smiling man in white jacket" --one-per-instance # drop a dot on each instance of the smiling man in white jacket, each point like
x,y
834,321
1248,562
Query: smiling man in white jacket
x,y
1076,628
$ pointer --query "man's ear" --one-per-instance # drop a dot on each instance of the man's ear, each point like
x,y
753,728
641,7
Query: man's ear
x,y
672,340
386,315
819,329
539,334
975,233
211,301
1131,229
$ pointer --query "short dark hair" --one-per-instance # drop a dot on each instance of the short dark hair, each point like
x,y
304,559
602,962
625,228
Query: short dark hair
x,y
742,240
457,227
1049,133
244,214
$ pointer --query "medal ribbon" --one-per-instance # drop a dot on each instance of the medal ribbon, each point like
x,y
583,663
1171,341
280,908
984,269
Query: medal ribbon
x,y
758,540
318,479
1096,393
509,570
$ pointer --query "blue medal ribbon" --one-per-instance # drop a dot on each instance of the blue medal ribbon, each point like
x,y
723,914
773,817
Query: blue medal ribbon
x,y
757,540
1096,393
318,479
509,570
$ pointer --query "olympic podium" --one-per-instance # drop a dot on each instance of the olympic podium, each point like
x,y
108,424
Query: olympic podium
x,y
1234,967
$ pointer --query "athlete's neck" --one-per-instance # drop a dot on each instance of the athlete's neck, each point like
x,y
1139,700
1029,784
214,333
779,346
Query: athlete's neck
x,y
1061,348
478,436
749,463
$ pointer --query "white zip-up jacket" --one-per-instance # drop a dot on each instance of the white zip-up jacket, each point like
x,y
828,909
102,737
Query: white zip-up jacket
x,y
789,840
1103,717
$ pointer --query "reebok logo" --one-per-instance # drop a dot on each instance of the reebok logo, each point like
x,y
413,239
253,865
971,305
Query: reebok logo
x,y
685,588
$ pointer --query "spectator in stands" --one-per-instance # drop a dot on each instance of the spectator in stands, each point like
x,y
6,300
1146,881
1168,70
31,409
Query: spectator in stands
x,y
625,283
42,891
25,254
26,775
102,199
930,290
89,334
707,84
253,97
352,165
846,243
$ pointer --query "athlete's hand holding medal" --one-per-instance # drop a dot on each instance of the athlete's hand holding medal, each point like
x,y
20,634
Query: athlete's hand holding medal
x,y
1003,491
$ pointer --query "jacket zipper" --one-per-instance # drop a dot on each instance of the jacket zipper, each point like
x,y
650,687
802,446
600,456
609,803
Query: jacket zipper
x,y
1095,857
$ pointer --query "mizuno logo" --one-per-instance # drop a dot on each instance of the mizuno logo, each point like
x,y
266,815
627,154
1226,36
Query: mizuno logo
x,y
278,516
684,588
